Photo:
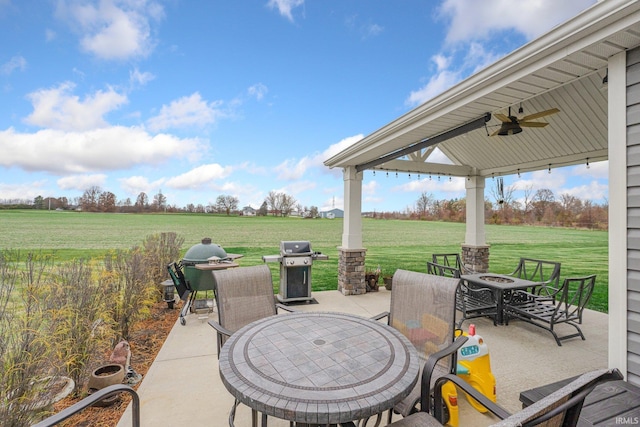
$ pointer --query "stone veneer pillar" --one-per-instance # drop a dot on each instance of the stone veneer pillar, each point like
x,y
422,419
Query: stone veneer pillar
x,y
351,271
476,258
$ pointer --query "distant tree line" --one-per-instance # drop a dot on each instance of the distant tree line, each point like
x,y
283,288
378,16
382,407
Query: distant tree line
x,y
95,199
540,207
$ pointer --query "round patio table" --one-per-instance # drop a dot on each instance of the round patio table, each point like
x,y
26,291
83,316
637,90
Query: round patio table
x,y
318,368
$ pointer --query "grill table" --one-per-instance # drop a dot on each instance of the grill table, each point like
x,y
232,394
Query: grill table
x,y
318,368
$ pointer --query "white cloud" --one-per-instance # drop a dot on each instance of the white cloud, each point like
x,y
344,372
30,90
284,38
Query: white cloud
x,y
135,185
476,20
285,7
15,63
58,108
597,170
113,29
472,23
292,169
140,78
592,191
22,191
81,182
113,148
437,84
455,186
202,175
186,112
370,187
258,91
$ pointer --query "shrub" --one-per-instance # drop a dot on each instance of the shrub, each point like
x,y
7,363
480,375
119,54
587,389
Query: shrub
x,y
25,344
76,304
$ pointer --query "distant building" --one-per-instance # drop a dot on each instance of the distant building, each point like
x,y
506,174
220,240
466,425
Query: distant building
x,y
248,211
333,213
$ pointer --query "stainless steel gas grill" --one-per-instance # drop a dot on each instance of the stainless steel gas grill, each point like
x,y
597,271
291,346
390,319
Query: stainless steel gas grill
x,y
296,259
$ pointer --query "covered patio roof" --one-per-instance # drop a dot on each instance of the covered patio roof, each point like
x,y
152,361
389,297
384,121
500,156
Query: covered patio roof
x,y
562,69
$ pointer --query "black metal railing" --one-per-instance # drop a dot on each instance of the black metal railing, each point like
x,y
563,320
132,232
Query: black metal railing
x,y
92,399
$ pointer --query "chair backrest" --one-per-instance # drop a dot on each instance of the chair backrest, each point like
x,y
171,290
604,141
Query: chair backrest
x,y
576,292
243,295
562,407
180,283
536,270
423,308
449,260
442,270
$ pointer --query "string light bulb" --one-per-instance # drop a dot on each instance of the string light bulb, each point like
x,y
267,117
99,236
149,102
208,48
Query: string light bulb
x,y
588,163
549,167
518,173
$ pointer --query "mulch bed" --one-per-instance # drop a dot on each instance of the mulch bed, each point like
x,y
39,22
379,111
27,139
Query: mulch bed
x,y
146,340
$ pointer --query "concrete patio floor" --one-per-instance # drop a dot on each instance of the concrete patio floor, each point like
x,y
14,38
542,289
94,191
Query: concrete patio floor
x,y
183,387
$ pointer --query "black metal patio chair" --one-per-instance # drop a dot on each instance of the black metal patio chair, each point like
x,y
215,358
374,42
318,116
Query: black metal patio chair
x,y
559,409
561,305
471,301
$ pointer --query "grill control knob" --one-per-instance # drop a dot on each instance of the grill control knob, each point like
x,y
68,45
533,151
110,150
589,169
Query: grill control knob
x,y
306,261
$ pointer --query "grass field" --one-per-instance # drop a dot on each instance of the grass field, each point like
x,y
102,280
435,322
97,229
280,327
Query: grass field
x,y
391,244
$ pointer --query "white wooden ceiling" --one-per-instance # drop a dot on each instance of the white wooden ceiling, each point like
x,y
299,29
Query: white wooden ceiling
x,y
562,69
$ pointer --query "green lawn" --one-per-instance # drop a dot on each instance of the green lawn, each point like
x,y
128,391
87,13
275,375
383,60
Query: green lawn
x,y
391,244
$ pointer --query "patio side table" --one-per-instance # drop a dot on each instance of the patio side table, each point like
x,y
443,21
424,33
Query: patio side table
x,y
318,368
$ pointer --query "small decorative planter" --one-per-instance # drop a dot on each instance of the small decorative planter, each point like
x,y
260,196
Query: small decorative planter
x,y
388,282
371,280
105,376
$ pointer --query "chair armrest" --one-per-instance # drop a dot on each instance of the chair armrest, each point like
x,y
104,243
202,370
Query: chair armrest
x,y
472,392
430,364
530,297
285,308
380,316
218,327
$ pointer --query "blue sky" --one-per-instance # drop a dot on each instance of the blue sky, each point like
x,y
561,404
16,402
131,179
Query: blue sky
x,y
202,98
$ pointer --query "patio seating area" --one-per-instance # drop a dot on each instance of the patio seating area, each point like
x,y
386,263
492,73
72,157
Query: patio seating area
x,y
183,385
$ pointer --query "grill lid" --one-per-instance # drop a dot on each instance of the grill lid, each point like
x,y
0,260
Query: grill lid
x,y
202,251
295,248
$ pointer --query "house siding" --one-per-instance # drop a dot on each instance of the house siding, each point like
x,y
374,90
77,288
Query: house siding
x,y
633,215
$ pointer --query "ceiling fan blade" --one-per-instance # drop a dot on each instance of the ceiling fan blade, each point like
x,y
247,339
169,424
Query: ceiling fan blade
x,y
533,124
495,133
540,114
502,117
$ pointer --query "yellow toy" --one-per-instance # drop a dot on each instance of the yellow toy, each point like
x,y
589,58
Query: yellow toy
x,y
474,366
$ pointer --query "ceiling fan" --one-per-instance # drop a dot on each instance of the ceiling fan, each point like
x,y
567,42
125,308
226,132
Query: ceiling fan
x,y
512,125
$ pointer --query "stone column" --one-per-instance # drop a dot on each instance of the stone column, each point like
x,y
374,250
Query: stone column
x,y
476,258
351,271
351,255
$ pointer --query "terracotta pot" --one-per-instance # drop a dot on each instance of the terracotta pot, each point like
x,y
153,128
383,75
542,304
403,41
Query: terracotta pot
x,y
105,376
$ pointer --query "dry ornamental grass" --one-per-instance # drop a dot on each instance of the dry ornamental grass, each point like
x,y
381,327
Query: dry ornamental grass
x,y
146,340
